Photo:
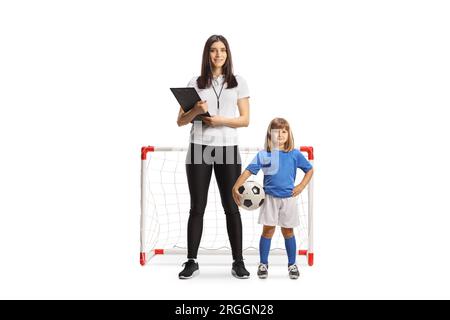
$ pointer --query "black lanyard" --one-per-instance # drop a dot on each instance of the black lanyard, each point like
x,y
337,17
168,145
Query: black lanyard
x,y
218,95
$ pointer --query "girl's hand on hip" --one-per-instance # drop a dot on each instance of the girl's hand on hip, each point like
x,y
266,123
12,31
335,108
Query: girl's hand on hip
x,y
213,121
297,190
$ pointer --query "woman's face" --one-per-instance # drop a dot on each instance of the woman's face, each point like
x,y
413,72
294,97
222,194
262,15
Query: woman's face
x,y
218,54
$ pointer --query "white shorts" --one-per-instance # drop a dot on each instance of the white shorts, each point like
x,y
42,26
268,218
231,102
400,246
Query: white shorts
x,y
279,212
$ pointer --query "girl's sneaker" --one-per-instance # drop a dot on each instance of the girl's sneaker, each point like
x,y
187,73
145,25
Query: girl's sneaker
x,y
293,271
263,271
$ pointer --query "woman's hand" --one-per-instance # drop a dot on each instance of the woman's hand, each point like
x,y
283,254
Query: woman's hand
x,y
185,118
201,107
236,196
241,121
214,121
297,190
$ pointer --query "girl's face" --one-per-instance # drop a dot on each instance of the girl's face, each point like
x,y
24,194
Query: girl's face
x,y
218,54
281,136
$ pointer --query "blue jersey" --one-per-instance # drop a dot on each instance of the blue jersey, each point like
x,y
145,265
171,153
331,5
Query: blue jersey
x,y
280,170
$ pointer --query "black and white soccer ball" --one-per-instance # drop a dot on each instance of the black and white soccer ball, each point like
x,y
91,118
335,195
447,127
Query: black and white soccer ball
x,y
252,195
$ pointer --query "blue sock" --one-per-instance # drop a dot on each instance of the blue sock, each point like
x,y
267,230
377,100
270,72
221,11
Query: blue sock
x,y
264,248
291,248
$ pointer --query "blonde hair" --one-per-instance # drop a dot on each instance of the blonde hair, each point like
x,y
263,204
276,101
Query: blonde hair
x,y
277,124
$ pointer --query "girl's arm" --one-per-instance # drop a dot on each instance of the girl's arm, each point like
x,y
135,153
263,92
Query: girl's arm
x,y
239,182
302,185
241,121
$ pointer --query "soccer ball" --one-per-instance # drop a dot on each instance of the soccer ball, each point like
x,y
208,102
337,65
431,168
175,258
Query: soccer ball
x,y
251,195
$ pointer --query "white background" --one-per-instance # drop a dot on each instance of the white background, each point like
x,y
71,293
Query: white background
x,y
84,84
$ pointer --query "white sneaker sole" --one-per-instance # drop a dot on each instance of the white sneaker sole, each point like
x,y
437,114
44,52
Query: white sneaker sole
x,y
237,277
195,273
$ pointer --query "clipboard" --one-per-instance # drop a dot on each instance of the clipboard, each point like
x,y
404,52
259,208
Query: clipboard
x,y
187,97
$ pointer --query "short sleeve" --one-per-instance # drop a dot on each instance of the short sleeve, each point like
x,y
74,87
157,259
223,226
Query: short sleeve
x,y
192,82
255,165
242,88
302,163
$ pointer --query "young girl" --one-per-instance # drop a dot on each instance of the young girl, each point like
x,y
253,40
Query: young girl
x,y
279,162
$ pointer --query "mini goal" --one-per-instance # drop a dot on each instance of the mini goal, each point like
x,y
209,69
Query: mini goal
x,y
165,204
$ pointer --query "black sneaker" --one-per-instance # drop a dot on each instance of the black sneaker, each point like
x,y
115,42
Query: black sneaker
x,y
293,271
263,271
190,270
238,270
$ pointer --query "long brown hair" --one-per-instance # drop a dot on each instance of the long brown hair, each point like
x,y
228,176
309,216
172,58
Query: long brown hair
x,y
206,76
279,123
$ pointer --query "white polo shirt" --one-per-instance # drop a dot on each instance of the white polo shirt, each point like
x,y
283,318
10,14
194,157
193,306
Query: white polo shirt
x,y
220,135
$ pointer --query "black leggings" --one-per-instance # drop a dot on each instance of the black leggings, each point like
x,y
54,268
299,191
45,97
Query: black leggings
x,y
226,162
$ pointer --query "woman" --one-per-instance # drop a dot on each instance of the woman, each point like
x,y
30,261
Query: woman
x,y
213,145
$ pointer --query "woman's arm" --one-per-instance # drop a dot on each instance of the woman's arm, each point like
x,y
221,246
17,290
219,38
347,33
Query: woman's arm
x,y
241,121
239,182
185,118
302,185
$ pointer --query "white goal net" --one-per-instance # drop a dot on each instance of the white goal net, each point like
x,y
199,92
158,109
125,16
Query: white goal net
x,y
165,205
